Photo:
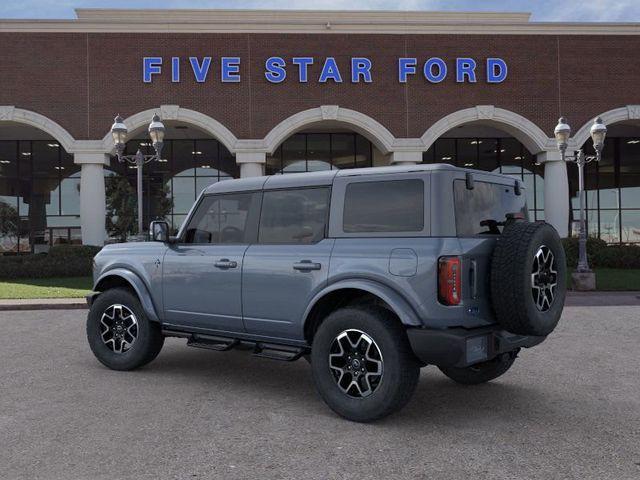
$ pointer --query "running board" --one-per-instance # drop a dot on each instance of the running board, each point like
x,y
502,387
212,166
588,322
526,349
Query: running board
x,y
210,342
273,351
278,352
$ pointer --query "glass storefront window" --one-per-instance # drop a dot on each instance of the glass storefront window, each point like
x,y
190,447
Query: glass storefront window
x,y
630,225
307,152
467,152
186,168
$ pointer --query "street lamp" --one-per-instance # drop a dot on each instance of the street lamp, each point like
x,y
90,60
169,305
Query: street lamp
x,y
562,133
119,133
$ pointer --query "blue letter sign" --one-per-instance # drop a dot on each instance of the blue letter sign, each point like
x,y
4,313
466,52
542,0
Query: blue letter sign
x,y
330,71
151,66
200,71
275,69
496,70
434,69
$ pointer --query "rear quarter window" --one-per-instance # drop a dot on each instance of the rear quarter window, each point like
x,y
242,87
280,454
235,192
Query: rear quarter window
x,y
384,206
476,209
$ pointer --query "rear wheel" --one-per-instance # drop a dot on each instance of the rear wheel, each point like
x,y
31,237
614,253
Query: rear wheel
x,y
362,364
119,333
482,372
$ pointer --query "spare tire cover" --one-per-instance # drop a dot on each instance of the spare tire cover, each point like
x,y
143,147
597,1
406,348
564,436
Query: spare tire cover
x,y
528,278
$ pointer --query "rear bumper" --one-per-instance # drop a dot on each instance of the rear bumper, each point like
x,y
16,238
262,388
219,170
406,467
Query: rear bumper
x,y
459,347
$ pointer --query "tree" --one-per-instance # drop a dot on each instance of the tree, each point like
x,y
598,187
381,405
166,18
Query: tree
x,y
9,221
121,207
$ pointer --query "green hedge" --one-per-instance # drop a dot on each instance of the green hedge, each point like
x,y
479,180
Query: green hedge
x,y
601,255
61,261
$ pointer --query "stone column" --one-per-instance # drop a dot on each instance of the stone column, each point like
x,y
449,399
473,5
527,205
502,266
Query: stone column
x,y
251,163
405,158
556,191
92,197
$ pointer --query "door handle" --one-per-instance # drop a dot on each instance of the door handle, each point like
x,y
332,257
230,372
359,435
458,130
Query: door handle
x,y
306,266
225,263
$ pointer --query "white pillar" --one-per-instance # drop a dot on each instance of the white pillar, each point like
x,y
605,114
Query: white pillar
x,y
251,163
92,197
556,191
405,158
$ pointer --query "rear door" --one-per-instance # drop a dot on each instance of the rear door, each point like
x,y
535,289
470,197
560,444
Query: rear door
x,y
290,262
202,273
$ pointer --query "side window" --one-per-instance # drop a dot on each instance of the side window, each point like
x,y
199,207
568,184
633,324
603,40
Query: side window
x,y
479,210
295,216
385,206
227,218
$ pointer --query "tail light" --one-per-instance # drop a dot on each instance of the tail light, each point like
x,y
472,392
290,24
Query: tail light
x,y
449,281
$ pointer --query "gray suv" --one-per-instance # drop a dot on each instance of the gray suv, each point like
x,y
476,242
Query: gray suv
x,y
369,274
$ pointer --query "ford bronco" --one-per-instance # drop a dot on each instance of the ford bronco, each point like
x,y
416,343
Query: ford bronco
x,y
369,274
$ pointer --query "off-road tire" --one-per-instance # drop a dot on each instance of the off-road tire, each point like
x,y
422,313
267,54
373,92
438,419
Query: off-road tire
x,y
482,372
149,339
400,368
511,278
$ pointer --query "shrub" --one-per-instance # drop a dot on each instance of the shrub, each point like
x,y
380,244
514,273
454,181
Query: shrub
x,y
599,254
571,249
61,261
618,256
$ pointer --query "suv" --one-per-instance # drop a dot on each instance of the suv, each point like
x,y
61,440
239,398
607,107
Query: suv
x,y
370,274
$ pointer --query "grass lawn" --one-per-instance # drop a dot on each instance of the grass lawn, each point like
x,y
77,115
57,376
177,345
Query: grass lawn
x,y
612,279
607,279
71,287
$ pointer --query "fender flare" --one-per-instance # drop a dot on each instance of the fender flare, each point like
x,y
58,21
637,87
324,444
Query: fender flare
x,y
398,304
137,284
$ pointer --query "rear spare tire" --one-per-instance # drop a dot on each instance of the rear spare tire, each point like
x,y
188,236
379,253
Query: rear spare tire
x,y
528,278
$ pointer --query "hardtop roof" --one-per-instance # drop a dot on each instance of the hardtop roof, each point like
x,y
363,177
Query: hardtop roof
x,y
326,177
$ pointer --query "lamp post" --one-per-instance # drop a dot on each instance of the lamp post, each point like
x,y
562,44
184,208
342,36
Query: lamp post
x,y
562,133
119,133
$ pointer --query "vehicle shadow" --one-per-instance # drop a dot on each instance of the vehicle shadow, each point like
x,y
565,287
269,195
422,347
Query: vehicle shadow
x,y
436,399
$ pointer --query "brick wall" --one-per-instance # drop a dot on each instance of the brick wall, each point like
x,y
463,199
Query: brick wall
x,y
82,80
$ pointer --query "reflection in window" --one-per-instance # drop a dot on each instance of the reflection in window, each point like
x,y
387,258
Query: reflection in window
x,y
612,191
501,155
309,152
39,196
186,168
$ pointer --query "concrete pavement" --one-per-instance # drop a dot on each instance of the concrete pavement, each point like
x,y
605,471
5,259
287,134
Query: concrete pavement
x,y
569,408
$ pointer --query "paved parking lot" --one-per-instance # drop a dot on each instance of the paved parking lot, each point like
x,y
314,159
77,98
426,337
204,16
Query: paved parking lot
x,y
568,409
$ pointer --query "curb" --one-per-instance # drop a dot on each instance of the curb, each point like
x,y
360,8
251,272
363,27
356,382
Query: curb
x,y
43,304
574,299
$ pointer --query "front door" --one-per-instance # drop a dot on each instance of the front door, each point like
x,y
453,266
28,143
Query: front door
x,y
290,262
202,272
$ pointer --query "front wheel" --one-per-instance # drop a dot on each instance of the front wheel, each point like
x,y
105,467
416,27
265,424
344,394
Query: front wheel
x,y
362,363
482,372
119,333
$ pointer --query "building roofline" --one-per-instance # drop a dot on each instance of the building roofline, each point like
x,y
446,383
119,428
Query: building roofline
x,y
311,21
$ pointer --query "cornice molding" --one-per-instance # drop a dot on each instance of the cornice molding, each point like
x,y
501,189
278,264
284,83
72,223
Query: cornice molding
x,y
317,22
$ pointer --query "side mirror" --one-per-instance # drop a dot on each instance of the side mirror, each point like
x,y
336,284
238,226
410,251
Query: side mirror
x,y
159,231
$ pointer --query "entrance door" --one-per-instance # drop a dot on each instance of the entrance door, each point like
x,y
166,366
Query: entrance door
x,y
290,262
202,272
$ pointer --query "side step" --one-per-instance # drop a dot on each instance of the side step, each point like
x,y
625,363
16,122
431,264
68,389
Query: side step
x,y
210,342
273,351
278,352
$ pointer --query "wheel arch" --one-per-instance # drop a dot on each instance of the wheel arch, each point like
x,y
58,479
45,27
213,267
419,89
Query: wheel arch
x,y
348,292
121,277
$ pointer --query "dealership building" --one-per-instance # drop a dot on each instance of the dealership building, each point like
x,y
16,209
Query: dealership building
x,y
246,93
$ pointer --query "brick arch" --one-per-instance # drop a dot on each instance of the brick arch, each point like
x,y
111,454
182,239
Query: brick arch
x,y
177,113
629,112
527,132
9,113
363,124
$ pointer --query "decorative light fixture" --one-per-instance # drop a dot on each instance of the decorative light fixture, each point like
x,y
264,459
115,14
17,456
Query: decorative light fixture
x,y
562,133
119,133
